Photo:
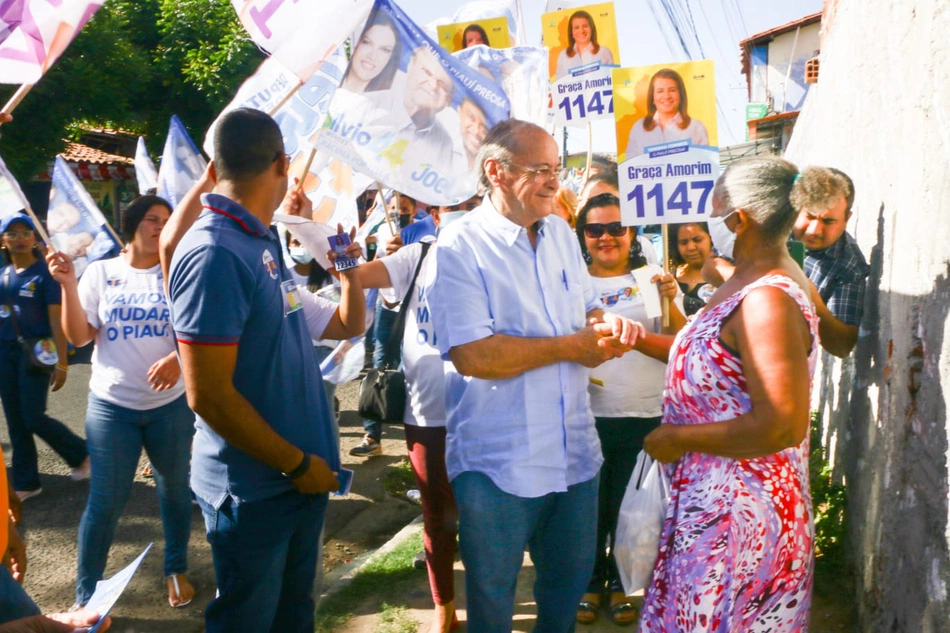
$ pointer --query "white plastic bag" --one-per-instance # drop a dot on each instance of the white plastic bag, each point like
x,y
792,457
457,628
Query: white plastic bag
x,y
640,523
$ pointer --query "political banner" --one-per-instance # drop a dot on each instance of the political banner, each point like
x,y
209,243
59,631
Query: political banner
x,y
301,34
583,49
330,184
34,33
410,115
483,9
667,143
522,73
182,164
12,200
492,32
145,172
76,225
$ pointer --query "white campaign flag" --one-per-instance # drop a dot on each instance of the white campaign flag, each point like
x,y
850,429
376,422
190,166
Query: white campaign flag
x,y
182,164
34,33
145,172
522,72
12,200
301,34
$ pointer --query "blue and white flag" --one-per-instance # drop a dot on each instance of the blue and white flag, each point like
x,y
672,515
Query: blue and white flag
x,y
410,115
182,164
521,71
145,172
76,225
12,200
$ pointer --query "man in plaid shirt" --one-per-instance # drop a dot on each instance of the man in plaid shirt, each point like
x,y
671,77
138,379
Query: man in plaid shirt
x,y
833,262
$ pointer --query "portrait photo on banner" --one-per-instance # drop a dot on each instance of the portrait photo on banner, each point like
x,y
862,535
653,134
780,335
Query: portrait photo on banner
x,y
667,141
410,115
583,48
492,32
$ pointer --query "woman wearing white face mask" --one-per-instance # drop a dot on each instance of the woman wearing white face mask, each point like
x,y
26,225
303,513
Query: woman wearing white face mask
x,y
735,428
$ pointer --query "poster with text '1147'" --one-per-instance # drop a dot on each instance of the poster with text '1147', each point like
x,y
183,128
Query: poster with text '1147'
x,y
583,49
667,142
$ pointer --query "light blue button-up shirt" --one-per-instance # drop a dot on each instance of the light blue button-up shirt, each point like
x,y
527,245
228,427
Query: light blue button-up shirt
x,y
532,434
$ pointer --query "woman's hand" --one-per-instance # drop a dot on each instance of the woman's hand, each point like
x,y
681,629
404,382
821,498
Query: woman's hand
x,y
14,559
667,285
57,379
164,374
662,445
61,268
353,250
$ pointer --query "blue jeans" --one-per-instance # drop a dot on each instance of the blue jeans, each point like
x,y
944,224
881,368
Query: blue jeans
x,y
116,436
265,557
24,404
14,602
382,330
560,531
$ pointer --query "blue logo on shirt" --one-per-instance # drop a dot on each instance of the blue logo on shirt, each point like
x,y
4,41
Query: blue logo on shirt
x,y
269,264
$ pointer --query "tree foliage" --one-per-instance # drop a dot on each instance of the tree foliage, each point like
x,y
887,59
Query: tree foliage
x,y
136,63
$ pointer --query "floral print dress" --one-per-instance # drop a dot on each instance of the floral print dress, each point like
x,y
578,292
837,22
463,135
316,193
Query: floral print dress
x,y
736,552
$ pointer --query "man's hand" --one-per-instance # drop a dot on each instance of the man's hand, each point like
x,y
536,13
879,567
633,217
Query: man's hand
x,y
164,373
75,622
662,445
394,244
353,250
14,558
296,203
57,379
588,349
318,478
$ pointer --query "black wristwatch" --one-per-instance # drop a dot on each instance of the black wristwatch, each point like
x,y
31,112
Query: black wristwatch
x,y
301,469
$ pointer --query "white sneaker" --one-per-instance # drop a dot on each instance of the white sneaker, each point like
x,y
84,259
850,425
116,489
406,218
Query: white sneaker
x,y
28,494
81,471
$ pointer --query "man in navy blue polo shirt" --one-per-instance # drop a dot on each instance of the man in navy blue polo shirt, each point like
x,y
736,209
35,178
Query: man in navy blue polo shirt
x,y
264,449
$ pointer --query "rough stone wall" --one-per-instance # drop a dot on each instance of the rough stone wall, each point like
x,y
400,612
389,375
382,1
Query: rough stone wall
x,y
881,112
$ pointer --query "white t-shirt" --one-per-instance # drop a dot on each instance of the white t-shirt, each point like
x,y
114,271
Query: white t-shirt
x,y
422,363
128,308
301,282
632,385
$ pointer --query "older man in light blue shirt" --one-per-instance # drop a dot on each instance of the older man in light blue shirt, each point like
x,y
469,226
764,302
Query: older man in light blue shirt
x,y
514,310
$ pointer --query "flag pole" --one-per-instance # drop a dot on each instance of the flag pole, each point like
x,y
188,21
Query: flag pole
x,y
15,100
306,169
382,200
665,232
39,227
287,97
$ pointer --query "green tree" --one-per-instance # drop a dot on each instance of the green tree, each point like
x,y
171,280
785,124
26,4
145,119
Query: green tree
x,y
135,64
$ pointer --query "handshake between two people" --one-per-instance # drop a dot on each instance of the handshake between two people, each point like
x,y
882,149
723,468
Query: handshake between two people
x,y
606,336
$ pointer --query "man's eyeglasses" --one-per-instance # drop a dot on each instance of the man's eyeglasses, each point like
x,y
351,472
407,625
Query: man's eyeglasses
x,y
543,173
23,235
594,231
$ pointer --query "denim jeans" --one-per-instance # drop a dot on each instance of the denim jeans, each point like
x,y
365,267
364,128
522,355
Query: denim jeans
x,y
265,557
14,601
382,330
24,404
116,436
560,531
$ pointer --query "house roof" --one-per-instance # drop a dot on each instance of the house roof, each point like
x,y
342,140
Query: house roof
x,y
79,153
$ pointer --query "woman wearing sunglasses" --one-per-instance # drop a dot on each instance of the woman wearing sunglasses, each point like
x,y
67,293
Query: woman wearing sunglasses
x,y
626,394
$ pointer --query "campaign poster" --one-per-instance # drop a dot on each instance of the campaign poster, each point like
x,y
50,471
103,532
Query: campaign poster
x,y
492,32
75,224
583,49
521,71
410,115
667,142
331,185
12,200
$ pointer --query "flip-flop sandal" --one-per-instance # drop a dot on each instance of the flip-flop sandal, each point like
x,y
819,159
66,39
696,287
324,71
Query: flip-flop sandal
x,y
587,612
174,579
619,613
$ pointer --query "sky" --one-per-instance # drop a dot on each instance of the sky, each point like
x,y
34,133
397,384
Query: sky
x,y
647,37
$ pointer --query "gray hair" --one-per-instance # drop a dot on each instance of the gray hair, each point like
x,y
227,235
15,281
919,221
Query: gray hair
x,y
820,187
501,143
760,186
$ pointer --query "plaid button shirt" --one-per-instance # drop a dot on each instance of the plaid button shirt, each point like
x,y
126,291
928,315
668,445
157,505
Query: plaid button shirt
x,y
840,273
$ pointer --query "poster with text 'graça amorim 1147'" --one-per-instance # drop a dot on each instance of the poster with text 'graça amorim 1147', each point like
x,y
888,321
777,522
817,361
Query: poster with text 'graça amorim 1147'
x,y
667,142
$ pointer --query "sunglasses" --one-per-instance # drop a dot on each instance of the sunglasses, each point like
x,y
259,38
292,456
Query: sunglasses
x,y
594,231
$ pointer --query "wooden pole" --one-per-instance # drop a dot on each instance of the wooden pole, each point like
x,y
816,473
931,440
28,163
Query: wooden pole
x,y
665,236
286,98
590,152
17,97
382,201
306,168
39,226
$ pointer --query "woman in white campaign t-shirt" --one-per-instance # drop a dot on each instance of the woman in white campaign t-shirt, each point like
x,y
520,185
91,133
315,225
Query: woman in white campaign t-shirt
x,y
626,393
424,420
136,395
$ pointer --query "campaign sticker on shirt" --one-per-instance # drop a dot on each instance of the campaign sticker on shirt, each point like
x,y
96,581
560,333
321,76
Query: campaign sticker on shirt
x,y
292,303
115,282
269,264
45,351
4,312
28,290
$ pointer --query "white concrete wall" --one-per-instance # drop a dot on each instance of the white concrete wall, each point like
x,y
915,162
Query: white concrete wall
x,y
881,112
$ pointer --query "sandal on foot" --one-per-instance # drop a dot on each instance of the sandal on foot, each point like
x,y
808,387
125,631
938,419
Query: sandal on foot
x,y
588,609
622,611
177,591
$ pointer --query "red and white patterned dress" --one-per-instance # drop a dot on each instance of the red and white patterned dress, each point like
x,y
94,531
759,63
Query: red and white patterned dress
x,y
737,548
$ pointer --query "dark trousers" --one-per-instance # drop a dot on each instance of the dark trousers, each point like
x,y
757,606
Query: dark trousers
x,y
24,396
621,440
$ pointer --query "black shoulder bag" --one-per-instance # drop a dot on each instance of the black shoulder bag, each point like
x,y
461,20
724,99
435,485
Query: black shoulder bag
x,y
383,391
40,352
